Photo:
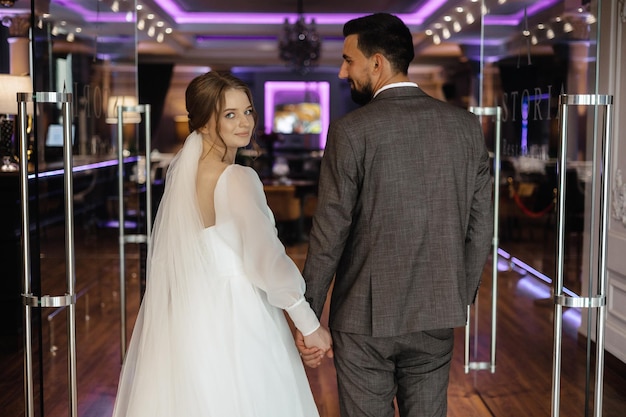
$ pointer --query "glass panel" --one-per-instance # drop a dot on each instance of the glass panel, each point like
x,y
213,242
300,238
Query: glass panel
x,y
553,52
100,72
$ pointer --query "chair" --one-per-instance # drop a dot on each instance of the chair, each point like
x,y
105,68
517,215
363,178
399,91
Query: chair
x,y
287,209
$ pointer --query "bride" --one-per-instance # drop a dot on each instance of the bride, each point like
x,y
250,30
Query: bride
x,y
211,338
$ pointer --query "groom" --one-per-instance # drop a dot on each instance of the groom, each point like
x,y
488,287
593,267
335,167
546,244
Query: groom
x,y
403,225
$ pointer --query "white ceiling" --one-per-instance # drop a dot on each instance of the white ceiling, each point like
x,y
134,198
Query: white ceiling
x,y
226,34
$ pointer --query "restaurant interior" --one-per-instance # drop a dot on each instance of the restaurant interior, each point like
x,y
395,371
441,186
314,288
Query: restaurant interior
x,y
102,86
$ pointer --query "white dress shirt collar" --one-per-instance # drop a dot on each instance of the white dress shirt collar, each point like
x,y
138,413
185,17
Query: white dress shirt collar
x,y
394,85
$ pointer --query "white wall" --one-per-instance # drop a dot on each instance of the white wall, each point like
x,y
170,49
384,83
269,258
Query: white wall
x,y
612,81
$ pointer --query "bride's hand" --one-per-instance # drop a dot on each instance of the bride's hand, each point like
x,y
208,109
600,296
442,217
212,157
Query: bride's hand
x,y
311,356
321,339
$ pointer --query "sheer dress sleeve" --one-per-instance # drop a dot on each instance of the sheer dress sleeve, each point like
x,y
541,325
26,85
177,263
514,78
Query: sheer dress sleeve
x,y
240,201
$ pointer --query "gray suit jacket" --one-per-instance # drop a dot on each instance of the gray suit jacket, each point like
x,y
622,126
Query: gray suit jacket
x,y
404,218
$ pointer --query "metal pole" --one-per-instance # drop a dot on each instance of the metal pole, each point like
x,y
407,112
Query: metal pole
x,y
132,238
496,113
558,286
592,301
602,279
70,260
26,259
120,209
148,175
69,298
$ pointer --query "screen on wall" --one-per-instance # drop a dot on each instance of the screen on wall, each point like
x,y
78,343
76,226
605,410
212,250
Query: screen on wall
x,y
298,118
54,136
298,110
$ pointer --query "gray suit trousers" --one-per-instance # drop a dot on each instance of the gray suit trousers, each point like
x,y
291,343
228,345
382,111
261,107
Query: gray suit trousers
x,y
413,368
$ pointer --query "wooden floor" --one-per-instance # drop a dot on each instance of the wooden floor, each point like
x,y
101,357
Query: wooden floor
x,y
520,387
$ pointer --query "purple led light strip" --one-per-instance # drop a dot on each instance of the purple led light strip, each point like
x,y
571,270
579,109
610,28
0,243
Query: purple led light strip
x,y
182,17
80,168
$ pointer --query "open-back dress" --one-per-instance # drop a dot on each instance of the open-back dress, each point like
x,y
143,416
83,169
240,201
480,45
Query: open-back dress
x,y
211,338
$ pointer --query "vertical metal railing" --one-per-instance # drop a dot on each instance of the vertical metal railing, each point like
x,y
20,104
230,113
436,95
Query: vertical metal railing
x,y
597,301
30,300
496,113
124,238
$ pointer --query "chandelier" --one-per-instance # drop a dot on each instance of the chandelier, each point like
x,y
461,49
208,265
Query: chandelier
x,y
300,44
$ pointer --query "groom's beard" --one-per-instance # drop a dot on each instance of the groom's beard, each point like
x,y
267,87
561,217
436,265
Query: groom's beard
x,y
362,96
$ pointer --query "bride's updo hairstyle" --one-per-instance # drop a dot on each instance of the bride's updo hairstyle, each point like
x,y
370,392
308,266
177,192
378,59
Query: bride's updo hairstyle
x,y
204,98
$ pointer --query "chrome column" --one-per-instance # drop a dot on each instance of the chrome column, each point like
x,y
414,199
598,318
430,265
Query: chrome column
x,y
131,238
496,113
597,301
30,300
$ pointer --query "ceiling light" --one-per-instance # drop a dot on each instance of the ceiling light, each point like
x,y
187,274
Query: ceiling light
x,y
300,44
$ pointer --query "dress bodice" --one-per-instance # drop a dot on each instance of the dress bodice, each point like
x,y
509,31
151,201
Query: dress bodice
x,y
225,260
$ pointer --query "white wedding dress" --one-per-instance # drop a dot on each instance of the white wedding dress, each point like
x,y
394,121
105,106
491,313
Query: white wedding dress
x,y
211,338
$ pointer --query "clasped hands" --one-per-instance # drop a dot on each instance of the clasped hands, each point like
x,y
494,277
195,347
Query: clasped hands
x,y
315,346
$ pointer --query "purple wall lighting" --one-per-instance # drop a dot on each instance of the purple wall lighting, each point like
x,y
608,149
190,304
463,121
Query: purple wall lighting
x,y
318,89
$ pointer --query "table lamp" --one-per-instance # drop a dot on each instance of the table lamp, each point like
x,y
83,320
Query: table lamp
x,y
10,85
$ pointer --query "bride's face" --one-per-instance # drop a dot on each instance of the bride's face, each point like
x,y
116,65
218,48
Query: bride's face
x,y
234,124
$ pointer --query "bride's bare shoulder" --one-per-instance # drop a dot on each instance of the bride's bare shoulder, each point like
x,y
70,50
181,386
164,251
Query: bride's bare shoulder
x,y
209,172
